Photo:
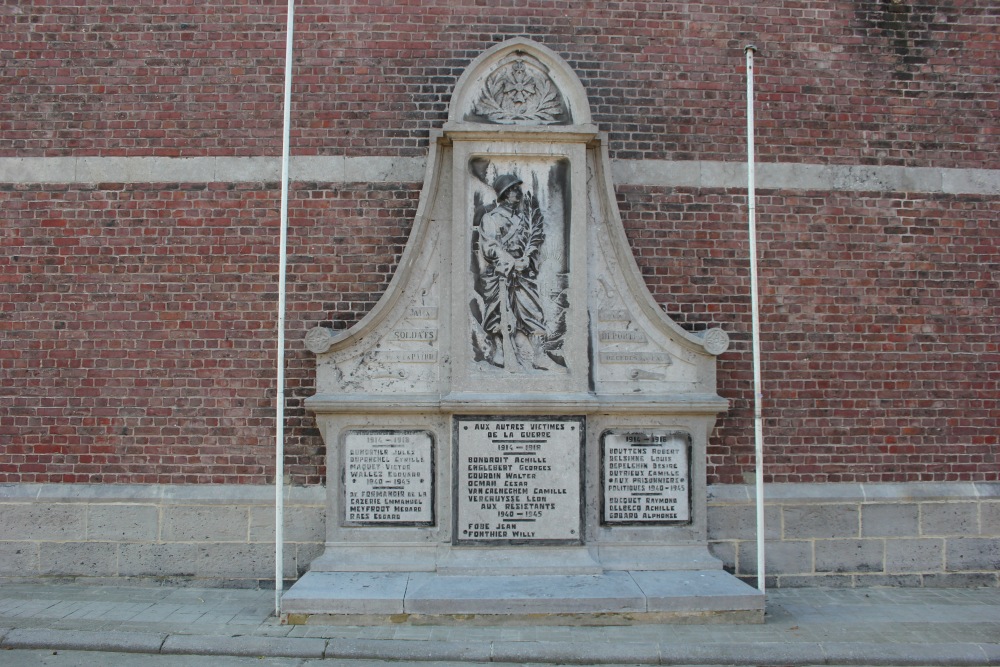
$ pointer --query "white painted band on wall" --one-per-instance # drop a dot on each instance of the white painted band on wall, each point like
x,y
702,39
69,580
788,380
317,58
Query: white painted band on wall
x,y
377,169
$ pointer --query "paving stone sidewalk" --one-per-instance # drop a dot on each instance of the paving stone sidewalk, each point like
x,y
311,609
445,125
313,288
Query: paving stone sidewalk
x,y
807,626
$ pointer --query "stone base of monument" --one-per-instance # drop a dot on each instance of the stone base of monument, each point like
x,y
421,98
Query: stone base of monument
x,y
606,598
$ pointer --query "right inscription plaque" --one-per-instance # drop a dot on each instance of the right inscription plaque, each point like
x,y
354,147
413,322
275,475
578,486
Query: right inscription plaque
x,y
646,477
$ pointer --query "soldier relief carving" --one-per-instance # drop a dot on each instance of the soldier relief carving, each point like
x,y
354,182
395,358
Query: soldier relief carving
x,y
519,302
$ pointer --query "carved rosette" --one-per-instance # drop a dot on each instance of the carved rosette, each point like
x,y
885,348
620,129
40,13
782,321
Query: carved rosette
x,y
319,340
715,341
519,93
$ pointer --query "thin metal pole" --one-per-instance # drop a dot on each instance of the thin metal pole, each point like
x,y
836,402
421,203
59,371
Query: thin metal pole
x,y
758,419
279,445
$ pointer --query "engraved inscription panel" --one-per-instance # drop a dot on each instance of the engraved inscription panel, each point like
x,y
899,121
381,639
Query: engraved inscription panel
x,y
518,480
646,477
388,478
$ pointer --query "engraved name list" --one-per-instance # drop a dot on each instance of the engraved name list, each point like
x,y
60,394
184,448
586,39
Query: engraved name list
x,y
646,477
387,477
518,480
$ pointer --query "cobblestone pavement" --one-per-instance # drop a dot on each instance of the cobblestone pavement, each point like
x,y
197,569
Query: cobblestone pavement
x,y
803,626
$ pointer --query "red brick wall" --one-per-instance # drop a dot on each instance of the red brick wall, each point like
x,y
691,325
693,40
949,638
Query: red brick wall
x,y
880,326
136,322
881,82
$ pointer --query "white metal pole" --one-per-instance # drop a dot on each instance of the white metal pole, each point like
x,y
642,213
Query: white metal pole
x,y
758,396
279,447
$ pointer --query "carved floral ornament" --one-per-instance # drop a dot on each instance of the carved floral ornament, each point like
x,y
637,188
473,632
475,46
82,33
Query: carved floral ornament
x,y
715,341
520,92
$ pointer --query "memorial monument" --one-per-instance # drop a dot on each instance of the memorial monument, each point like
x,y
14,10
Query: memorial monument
x,y
517,427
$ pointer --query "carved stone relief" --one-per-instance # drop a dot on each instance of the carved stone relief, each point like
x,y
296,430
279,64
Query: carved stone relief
x,y
400,355
519,267
519,92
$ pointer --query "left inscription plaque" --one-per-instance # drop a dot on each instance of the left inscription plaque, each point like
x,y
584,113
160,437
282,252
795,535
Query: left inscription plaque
x,y
388,478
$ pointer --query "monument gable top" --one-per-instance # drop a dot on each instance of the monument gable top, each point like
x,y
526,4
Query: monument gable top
x,y
520,82
517,275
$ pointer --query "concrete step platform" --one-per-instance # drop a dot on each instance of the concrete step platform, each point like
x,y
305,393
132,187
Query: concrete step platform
x,y
609,598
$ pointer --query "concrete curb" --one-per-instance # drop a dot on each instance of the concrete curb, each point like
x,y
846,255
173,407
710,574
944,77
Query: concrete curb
x,y
645,653
904,654
246,646
389,649
575,653
991,653
83,640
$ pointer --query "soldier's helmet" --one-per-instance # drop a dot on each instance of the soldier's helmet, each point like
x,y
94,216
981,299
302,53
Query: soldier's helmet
x,y
504,183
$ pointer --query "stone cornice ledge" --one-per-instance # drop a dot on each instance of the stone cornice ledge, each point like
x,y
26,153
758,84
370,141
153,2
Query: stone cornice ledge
x,y
553,133
562,404
389,169
777,494
258,494
163,494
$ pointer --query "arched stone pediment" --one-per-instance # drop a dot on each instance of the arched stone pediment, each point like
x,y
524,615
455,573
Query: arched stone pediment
x,y
519,115
520,82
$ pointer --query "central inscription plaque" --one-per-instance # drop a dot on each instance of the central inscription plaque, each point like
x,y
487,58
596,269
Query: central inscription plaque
x,y
518,480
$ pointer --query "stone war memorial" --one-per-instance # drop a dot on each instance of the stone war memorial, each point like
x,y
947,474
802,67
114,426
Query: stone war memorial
x,y
517,427
517,250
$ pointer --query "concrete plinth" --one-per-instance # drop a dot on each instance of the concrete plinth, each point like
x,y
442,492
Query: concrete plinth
x,y
609,598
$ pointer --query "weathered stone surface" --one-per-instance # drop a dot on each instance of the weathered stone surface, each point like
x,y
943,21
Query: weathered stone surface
x,y
949,519
303,523
849,555
799,493
348,593
990,518
43,521
920,491
822,579
18,559
880,653
539,594
122,523
697,591
914,555
90,559
890,520
157,560
218,523
821,521
780,557
961,580
887,580
304,554
227,560
963,554
739,522
726,552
